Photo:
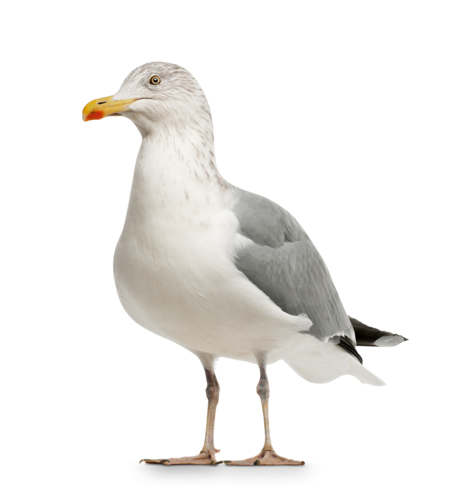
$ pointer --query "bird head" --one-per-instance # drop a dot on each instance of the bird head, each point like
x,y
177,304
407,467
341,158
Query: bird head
x,y
152,95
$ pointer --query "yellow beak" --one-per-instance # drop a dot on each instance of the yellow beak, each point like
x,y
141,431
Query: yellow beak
x,y
100,108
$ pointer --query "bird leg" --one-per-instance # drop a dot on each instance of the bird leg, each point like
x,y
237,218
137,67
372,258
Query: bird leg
x,y
267,456
207,455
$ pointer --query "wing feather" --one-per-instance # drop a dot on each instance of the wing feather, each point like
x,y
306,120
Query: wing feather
x,y
283,263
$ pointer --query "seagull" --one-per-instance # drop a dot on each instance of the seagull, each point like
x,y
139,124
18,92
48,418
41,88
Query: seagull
x,y
221,271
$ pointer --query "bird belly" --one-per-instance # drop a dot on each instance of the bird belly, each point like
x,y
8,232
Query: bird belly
x,y
188,290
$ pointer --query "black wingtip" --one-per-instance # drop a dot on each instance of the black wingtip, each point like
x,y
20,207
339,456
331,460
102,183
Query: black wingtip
x,y
346,344
368,336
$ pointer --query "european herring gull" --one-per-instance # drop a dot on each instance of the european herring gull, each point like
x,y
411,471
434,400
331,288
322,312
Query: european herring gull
x,y
218,270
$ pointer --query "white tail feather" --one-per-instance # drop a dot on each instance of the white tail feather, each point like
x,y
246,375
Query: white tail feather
x,y
363,375
320,362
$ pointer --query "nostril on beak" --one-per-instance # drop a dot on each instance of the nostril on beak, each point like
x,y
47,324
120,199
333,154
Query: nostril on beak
x,y
103,102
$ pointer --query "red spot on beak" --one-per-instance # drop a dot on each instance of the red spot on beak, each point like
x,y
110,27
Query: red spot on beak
x,y
95,115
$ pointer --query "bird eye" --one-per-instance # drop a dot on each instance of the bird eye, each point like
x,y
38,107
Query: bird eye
x,y
155,80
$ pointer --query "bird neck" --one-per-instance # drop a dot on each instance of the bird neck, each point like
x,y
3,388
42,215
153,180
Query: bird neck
x,y
176,181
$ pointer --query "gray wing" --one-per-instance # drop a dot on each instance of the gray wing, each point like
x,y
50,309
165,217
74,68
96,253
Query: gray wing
x,y
285,265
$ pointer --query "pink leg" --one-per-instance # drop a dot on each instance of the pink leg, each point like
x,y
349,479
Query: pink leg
x,y
207,455
267,456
